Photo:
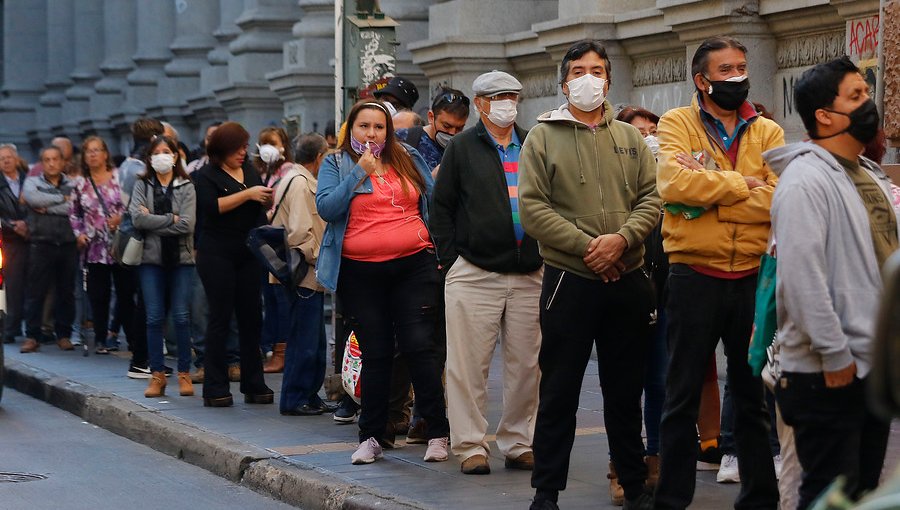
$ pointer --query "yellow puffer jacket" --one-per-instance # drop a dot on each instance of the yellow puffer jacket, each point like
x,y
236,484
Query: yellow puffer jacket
x,y
731,234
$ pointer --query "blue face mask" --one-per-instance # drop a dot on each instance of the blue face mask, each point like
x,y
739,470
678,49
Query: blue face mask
x,y
360,147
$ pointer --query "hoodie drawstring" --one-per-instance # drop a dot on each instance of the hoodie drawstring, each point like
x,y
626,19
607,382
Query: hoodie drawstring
x,y
578,153
618,156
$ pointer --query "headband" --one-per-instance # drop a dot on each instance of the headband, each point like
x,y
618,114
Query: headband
x,y
377,106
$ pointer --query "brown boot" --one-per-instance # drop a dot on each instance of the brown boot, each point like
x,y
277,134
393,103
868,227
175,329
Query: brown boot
x,y
616,492
185,387
157,387
65,344
234,373
275,365
199,375
652,462
30,345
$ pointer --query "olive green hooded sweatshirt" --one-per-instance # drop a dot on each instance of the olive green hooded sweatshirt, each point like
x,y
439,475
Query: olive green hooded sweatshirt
x,y
577,182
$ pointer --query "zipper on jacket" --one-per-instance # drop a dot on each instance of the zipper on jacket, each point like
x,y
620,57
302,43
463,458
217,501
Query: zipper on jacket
x,y
555,290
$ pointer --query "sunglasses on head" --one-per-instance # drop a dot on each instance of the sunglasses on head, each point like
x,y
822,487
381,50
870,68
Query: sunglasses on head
x,y
450,98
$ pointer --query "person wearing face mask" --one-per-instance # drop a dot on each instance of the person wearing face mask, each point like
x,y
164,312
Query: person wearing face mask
x,y
717,191
163,207
273,160
493,279
835,227
447,117
378,255
587,193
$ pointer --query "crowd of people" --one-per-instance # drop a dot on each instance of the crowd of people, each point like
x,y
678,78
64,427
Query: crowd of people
x,y
603,228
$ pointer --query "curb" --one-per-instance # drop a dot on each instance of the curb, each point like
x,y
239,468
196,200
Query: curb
x,y
264,471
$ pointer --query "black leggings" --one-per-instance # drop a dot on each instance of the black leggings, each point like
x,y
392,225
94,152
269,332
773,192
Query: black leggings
x,y
231,280
392,300
100,278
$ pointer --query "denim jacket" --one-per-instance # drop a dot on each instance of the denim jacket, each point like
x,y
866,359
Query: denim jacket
x,y
339,182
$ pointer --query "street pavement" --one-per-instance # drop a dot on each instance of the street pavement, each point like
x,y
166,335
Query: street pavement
x,y
52,459
306,460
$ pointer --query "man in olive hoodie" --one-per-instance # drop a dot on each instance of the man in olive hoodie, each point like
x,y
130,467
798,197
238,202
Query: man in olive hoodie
x,y
587,193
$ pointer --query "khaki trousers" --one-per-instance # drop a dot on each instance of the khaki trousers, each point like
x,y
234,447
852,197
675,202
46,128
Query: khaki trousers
x,y
482,306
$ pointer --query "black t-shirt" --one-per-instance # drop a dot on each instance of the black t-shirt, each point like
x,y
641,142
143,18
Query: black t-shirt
x,y
225,230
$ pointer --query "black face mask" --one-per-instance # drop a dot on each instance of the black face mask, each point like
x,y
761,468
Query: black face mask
x,y
864,122
728,95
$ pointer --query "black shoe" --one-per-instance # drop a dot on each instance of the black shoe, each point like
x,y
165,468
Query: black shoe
x,y
304,410
642,502
346,411
218,402
260,398
168,370
709,459
9,339
543,504
138,371
325,407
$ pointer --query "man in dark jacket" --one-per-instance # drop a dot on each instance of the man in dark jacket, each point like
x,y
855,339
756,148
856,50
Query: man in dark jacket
x,y
493,279
51,257
15,243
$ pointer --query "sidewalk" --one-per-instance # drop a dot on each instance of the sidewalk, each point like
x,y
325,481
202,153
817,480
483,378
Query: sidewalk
x,y
305,461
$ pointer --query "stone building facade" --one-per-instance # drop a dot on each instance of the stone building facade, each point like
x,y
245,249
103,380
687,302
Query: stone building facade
x,y
77,67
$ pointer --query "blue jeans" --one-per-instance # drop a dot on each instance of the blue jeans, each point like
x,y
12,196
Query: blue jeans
x,y
304,358
156,284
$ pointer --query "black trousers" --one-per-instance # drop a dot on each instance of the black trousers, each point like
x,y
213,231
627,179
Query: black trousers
x,y
701,310
230,277
15,271
50,266
393,303
576,313
835,434
100,279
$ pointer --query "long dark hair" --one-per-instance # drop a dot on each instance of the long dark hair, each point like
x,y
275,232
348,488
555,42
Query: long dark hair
x,y
178,171
85,170
393,154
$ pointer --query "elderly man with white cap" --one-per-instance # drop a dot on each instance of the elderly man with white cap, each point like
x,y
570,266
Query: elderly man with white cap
x,y
493,280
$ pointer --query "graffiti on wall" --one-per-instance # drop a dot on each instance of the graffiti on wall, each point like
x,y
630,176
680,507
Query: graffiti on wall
x,y
376,59
862,38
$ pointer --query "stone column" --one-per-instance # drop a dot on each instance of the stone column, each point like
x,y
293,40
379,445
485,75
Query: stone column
x,y
204,105
60,62
194,26
88,54
265,26
24,71
155,30
305,84
108,101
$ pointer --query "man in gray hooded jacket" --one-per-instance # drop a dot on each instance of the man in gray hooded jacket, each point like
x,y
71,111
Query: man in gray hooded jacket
x,y
834,227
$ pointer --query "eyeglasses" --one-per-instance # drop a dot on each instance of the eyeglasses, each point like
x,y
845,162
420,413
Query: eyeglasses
x,y
94,151
450,97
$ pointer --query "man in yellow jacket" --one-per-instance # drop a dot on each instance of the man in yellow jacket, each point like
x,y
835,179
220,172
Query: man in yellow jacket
x,y
717,191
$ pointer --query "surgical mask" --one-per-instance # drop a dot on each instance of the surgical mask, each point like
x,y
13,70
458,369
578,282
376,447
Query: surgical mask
x,y
729,94
162,163
360,147
269,153
864,122
503,112
653,143
586,92
442,138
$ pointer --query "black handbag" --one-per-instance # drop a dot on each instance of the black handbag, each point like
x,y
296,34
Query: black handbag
x,y
269,245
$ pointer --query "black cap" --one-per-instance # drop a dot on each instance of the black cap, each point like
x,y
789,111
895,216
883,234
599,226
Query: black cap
x,y
402,89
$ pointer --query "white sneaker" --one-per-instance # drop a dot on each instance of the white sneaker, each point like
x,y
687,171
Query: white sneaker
x,y
437,449
367,452
728,470
779,462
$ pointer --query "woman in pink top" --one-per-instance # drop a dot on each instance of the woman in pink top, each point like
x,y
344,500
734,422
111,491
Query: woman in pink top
x,y
378,255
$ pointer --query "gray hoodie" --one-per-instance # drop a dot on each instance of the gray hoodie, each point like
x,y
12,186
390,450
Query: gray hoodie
x,y
828,279
154,226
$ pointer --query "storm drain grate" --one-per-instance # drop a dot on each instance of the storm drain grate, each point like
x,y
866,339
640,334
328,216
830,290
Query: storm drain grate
x,y
20,477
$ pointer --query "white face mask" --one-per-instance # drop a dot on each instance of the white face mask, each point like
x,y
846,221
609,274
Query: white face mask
x,y
162,163
586,92
269,153
503,112
653,143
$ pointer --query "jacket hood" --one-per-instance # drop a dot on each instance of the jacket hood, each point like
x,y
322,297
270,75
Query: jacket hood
x,y
779,158
563,115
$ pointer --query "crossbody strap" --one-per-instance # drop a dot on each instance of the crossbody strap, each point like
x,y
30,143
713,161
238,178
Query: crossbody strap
x,y
287,187
99,197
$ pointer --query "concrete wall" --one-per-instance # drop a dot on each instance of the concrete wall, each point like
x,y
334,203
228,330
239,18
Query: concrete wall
x,y
263,62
